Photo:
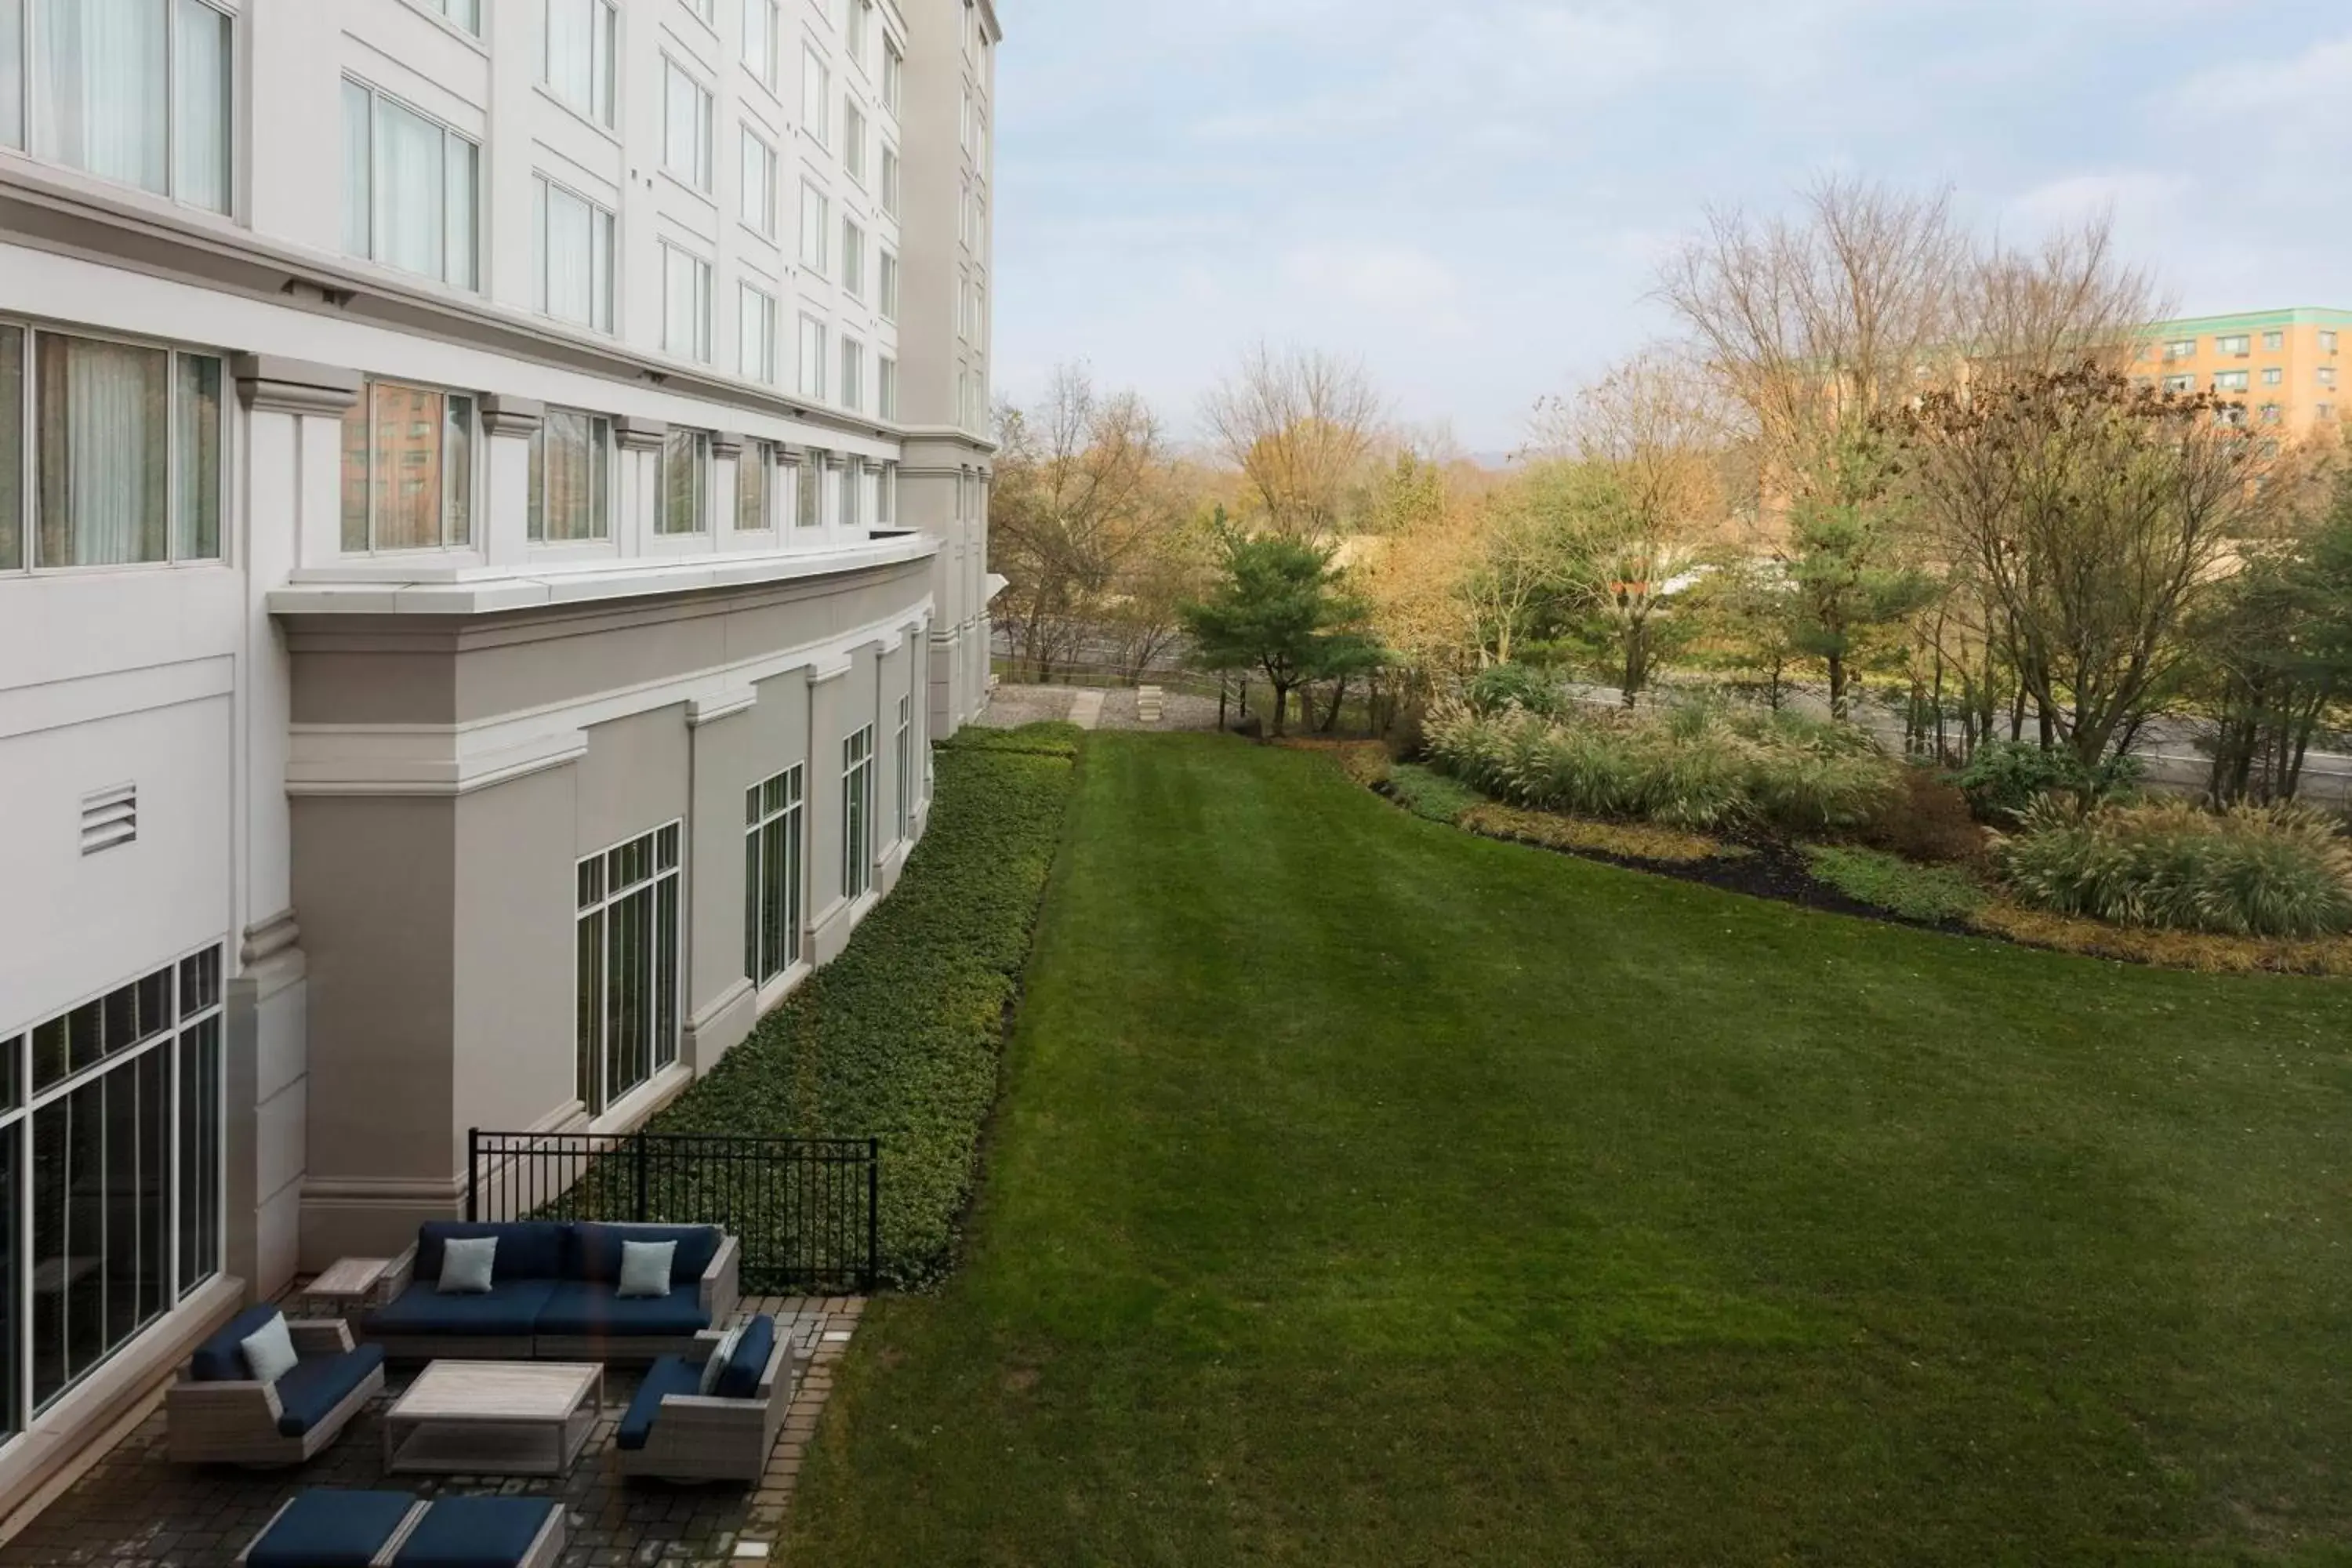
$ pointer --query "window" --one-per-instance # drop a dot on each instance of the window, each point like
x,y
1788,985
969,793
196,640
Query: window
x,y
775,821
136,92
752,467
2179,384
408,469
2327,343
706,9
816,96
2273,342
757,322
112,1121
2229,381
963,121
2327,376
577,54
570,477
852,259
759,40
466,14
124,462
887,293
891,180
816,222
573,271
2231,414
411,188
685,481
2325,413
2275,376
758,207
685,304
626,967
2271,413
808,506
2239,344
963,214
852,373
857,813
2183,348
885,497
894,75
857,27
853,480
886,386
812,366
853,141
902,766
685,126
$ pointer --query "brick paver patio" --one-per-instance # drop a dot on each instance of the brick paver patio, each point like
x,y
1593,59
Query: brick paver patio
x,y
136,1510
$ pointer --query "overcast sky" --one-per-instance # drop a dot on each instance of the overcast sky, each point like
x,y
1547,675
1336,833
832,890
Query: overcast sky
x,y
1472,195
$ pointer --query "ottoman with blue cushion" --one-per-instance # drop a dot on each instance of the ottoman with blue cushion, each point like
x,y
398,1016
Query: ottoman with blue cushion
x,y
392,1529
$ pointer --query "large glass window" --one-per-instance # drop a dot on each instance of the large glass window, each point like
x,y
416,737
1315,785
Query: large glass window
x,y
772,846
816,96
576,51
902,764
685,481
110,1145
753,486
853,141
685,304
852,259
408,469
885,290
811,365
131,90
411,188
890,181
858,813
467,14
626,967
853,486
757,206
852,373
126,452
894,75
756,326
816,228
809,497
574,277
570,477
685,126
886,387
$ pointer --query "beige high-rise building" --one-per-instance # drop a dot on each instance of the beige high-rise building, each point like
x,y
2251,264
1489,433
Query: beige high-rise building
x,y
492,513
2285,366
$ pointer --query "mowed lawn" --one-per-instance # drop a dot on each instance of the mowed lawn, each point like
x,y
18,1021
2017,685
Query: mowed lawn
x,y
1364,1191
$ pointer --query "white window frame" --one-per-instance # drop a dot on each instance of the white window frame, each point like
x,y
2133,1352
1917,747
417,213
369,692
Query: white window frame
x,y
468,277
885,285
694,447
808,492
696,173
758,457
755,333
775,871
854,137
699,279
816,95
857,813
886,386
816,229
815,342
604,245
599,900
853,259
904,759
852,373
603,465
366,411
890,174
20,136
762,66
603,32
893,74
758,159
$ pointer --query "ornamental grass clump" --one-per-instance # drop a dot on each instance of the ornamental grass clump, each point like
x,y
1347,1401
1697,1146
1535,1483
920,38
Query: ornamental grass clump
x,y
1699,767
2254,871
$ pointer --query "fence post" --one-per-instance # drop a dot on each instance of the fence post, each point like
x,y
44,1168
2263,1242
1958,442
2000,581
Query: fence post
x,y
639,1139
873,1212
473,1174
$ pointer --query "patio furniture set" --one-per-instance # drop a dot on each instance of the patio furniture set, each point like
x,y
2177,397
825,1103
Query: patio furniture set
x,y
518,1322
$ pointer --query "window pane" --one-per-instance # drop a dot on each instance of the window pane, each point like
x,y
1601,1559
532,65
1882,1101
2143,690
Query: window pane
x,y
569,281
751,488
12,439
358,160
600,259
102,106
196,460
463,160
588,1029
355,474
753,890
457,476
407,468
681,482
200,85
12,106
102,465
411,202
200,1154
665,974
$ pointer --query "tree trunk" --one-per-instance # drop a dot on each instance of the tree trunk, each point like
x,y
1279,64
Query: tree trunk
x,y
1281,707
1837,686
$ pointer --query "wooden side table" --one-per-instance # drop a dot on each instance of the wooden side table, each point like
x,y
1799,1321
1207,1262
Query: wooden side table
x,y
349,1287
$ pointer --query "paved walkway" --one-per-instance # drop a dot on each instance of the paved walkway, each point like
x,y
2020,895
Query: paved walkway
x,y
1086,710
136,1510
1113,709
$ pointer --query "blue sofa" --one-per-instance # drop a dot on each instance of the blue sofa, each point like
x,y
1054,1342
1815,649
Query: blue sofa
x,y
218,1414
675,1432
553,1296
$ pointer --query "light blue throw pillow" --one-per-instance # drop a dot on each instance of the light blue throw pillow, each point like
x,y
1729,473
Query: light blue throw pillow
x,y
270,1350
466,1266
720,1355
644,1270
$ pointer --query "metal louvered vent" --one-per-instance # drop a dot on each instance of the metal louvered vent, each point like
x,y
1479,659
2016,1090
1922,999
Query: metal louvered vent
x,y
110,818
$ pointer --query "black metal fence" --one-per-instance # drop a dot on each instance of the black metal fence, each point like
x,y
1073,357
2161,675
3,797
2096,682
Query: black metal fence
x,y
805,1211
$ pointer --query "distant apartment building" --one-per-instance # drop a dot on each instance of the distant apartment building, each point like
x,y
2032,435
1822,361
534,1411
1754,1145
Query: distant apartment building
x,y
492,502
2285,366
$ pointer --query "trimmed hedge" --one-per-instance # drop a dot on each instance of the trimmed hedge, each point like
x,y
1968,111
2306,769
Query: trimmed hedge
x,y
900,1037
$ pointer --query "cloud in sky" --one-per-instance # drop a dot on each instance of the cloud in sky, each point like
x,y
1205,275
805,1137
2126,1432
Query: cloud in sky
x,y
1475,196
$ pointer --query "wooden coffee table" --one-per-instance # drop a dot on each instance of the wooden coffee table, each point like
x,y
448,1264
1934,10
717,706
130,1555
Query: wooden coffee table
x,y
496,1418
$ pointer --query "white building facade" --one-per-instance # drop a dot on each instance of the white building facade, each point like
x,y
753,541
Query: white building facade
x,y
492,513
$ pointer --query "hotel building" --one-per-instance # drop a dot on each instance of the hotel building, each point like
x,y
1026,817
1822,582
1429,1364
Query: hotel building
x,y
2285,366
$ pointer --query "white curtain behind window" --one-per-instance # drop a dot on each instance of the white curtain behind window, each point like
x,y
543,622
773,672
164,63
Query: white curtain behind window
x,y
12,73
359,158
200,107
102,421
409,200
571,283
102,106
463,161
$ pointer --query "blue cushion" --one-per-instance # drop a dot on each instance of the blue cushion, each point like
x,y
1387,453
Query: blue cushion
x,y
317,1385
582,1309
596,1250
331,1530
508,1311
221,1359
530,1249
741,1378
671,1375
475,1533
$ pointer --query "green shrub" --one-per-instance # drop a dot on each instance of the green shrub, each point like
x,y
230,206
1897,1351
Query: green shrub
x,y
1504,687
1700,768
2261,871
2004,779
1932,893
898,1038
1430,795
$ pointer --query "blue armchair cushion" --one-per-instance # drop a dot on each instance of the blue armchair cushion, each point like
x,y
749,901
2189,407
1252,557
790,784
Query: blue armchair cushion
x,y
221,1359
596,1250
308,1394
529,1249
578,1308
511,1311
475,1533
671,1375
752,1349
331,1530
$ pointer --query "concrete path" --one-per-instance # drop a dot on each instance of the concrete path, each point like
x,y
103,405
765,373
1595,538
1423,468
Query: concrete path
x,y
1086,711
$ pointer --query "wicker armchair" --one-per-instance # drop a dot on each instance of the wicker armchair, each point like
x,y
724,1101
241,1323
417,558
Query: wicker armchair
x,y
695,1437
224,1421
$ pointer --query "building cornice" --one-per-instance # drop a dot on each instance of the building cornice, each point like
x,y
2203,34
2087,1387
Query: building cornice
x,y
270,383
2292,316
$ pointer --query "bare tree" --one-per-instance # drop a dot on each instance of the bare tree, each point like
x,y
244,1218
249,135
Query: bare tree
x,y
1301,426
2070,301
